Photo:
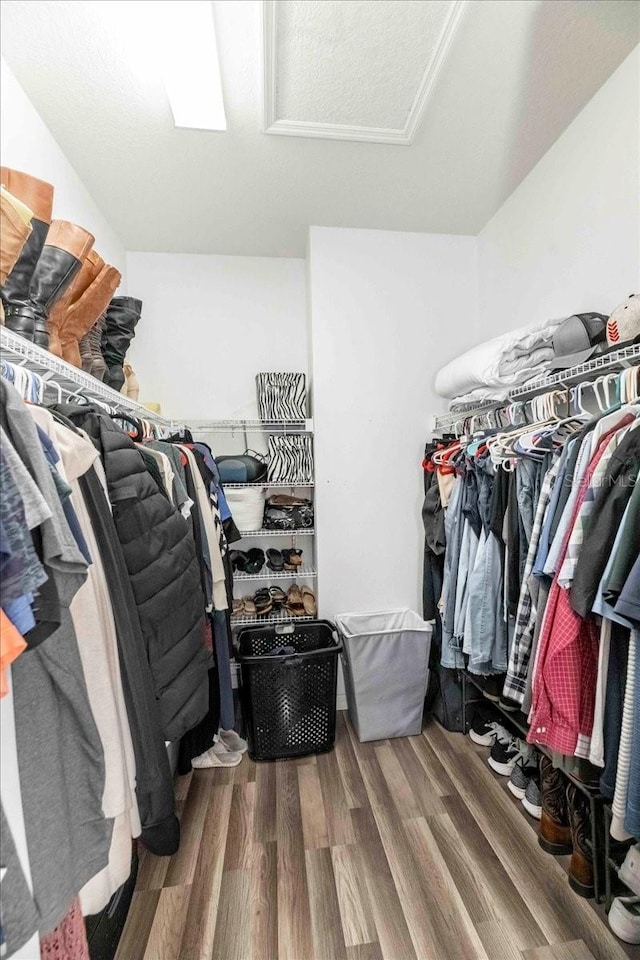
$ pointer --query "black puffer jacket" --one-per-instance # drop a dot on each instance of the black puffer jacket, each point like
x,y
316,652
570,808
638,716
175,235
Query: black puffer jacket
x,y
159,552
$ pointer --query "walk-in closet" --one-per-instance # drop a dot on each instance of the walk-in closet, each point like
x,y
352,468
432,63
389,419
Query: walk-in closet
x,y
320,480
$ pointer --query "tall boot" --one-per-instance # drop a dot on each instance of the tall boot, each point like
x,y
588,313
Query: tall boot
x,y
38,197
581,866
90,349
66,247
122,317
15,228
91,267
85,311
554,834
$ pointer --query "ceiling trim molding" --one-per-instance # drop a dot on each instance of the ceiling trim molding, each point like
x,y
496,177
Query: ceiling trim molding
x,y
337,131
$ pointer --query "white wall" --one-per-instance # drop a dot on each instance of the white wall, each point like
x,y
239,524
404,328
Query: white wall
x,y
568,239
28,145
209,324
387,309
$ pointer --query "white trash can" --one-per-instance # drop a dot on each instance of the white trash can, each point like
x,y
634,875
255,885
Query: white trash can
x,y
385,660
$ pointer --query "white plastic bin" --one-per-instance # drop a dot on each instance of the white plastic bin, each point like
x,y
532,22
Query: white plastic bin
x,y
386,670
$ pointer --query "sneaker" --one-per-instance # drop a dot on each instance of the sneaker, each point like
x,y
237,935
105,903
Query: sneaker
x,y
532,800
216,756
624,918
504,756
233,742
493,685
519,779
629,872
485,732
511,706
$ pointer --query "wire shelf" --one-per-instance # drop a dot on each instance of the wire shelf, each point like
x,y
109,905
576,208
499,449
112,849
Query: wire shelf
x,y
465,411
252,426
268,619
302,573
57,373
299,532
624,357
290,484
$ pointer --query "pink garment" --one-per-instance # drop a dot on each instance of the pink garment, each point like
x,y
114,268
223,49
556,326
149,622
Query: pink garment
x,y
69,939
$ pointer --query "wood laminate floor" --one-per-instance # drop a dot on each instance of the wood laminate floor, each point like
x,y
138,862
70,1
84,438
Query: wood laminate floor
x,y
406,849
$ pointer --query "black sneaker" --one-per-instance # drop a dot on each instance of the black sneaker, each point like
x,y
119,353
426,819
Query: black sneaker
x,y
485,731
511,706
493,686
504,756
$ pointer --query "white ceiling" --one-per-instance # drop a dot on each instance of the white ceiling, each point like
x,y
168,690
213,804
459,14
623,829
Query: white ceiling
x,y
493,91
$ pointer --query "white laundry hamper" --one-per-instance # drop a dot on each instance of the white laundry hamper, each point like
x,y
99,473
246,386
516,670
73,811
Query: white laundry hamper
x,y
385,661
247,507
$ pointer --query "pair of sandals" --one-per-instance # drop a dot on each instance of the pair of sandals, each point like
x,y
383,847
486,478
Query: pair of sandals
x,y
278,560
247,561
297,601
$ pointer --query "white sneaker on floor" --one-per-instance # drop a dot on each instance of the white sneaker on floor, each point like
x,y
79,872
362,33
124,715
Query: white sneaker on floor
x,y
216,756
624,918
630,869
233,741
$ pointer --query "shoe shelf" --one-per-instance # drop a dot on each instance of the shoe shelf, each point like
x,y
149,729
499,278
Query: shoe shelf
x,y
291,484
300,532
268,619
252,426
302,573
63,378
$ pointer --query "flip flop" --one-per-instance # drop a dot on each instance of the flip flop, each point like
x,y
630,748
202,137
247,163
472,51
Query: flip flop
x,y
263,602
294,603
255,560
278,596
238,560
292,559
275,560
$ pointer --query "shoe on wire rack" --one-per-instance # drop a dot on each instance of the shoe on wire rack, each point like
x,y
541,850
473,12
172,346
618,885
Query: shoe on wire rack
x,y
493,685
485,731
519,779
624,918
630,870
532,800
504,756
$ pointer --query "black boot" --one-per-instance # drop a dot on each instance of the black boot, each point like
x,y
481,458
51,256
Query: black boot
x,y
38,196
57,265
581,866
123,314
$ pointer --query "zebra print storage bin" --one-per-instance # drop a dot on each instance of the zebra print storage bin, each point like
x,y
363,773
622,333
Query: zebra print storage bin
x,y
290,459
281,396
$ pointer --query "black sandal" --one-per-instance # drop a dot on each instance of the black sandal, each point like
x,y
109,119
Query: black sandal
x,y
275,560
238,560
255,561
263,602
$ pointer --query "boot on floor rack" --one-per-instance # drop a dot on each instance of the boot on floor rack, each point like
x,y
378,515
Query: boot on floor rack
x,y
555,832
581,867
37,195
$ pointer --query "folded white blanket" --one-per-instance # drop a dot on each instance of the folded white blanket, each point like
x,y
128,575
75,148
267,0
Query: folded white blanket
x,y
499,364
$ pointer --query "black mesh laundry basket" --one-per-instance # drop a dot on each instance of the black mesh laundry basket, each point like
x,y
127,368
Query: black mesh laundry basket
x,y
289,676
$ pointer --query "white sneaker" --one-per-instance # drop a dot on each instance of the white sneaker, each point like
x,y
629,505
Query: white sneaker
x,y
216,756
630,870
233,741
624,918
485,733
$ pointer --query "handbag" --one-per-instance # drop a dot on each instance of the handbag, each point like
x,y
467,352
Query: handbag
x,y
247,467
282,512
281,396
290,459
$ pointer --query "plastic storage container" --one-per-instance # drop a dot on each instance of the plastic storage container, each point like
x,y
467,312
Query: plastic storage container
x,y
247,507
386,670
289,677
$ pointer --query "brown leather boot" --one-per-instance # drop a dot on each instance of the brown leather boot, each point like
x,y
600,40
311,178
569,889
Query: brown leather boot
x,y
581,867
84,312
38,196
65,248
554,834
91,267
